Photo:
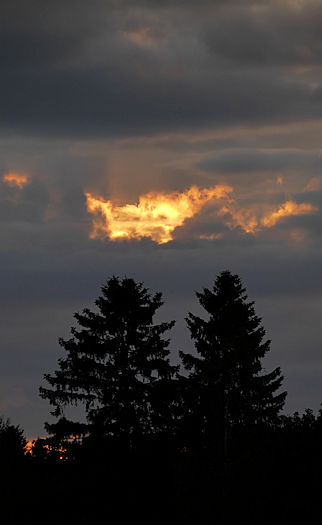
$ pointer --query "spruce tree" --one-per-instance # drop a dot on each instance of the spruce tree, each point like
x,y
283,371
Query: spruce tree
x,y
117,366
227,385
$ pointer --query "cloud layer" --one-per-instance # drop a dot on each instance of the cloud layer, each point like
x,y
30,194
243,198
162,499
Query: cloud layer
x,y
127,100
124,68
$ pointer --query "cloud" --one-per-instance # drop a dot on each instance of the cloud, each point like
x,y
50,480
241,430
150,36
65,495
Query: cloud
x,y
279,34
156,215
15,180
79,76
314,184
244,218
287,209
256,160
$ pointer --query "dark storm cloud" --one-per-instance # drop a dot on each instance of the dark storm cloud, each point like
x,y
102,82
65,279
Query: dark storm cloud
x,y
24,50
26,205
261,161
275,36
37,34
174,4
113,103
96,74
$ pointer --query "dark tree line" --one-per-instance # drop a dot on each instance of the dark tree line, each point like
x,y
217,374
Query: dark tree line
x,y
203,441
189,421
117,366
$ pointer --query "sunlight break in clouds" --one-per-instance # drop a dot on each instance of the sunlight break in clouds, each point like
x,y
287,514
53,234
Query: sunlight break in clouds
x,y
285,210
15,180
244,218
250,222
156,215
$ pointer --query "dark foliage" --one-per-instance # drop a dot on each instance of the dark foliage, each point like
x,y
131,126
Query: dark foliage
x,y
227,388
117,365
210,447
12,443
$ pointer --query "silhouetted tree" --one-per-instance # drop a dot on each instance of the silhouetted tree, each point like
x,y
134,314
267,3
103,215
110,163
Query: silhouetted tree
x,y
227,385
12,442
13,479
117,366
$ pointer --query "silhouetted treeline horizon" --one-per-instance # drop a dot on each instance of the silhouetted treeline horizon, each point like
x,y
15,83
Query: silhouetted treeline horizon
x,y
205,441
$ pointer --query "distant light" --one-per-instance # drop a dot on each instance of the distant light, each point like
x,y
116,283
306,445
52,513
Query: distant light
x,y
15,180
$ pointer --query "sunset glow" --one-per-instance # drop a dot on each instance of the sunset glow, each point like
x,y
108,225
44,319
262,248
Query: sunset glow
x,y
15,180
251,221
29,449
245,219
155,216
285,210
28,446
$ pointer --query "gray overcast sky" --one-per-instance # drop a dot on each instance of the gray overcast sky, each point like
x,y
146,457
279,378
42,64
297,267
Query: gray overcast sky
x,y
119,99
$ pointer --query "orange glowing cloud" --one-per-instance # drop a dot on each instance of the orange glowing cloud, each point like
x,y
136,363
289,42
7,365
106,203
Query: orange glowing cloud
x,y
285,210
15,180
313,185
244,218
249,220
155,216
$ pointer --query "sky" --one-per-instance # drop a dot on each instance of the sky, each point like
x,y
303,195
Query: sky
x,y
165,141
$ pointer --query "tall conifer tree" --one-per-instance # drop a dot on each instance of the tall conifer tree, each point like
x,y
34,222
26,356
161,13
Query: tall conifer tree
x,y
227,383
117,365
